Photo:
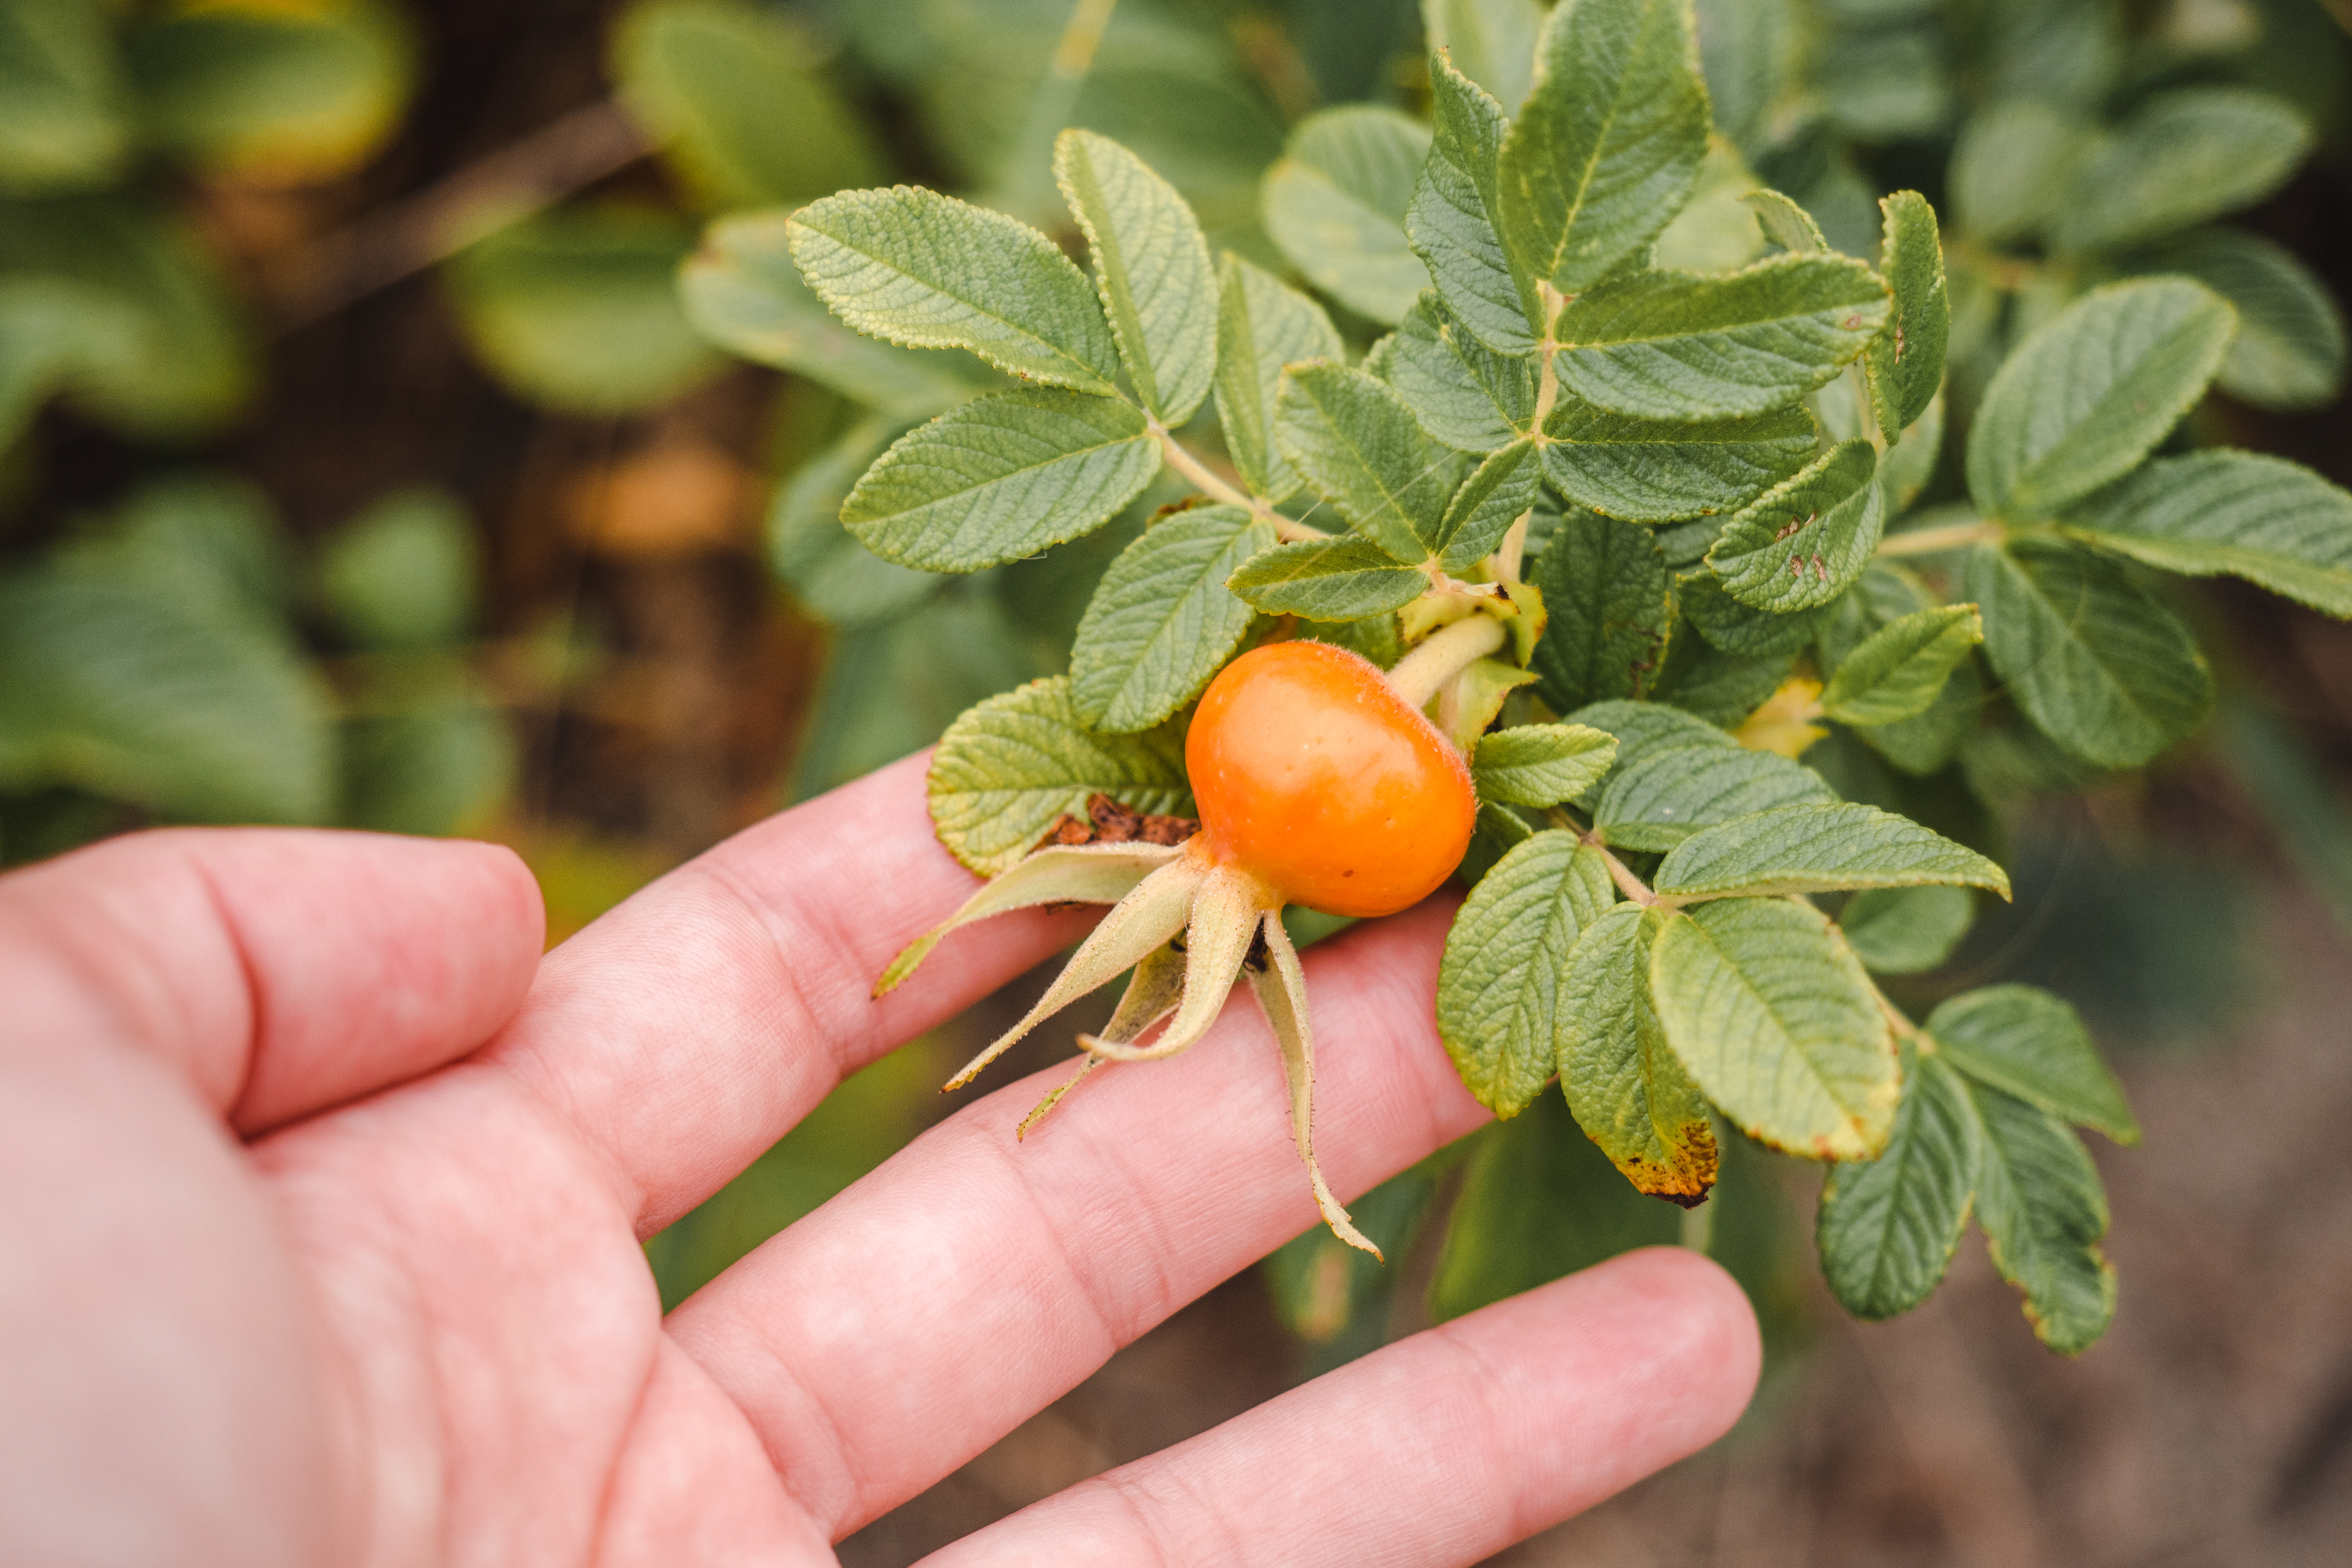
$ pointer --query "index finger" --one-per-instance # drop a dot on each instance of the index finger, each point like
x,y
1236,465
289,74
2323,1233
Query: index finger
x,y
689,1029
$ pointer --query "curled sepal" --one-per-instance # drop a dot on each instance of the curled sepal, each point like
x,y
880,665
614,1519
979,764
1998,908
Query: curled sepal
x,y
1281,988
1064,874
1227,904
1152,992
1147,918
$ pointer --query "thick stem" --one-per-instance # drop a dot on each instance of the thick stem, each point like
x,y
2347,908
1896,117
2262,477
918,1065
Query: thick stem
x,y
1446,655
1954,536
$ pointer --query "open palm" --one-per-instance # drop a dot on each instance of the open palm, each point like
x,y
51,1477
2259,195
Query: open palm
x,y
326,1203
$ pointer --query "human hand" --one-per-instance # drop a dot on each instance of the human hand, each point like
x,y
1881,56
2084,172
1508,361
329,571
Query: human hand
x,y
329,1196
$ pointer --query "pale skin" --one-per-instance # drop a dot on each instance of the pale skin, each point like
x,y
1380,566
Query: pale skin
x,y
326,1197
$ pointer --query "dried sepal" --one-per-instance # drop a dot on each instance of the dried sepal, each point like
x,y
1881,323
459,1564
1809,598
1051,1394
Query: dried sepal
x,y
1079,874
1152,992
1227,907
1281,988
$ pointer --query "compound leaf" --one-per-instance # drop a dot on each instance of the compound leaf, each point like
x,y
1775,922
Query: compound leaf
x,y
1607,605
1336,203
1453,222
1805,540
1263,324
2263,519
1819,849
1151,265
1887,1227
1342,579
1763,1002
1359,446
1623,1082
1900,669
1002,477
1608,143
2044,1212
1162,619
1541,764
1496,495
929,271
1907,361
2180,158
1682,345
2102,669
1012,766
1498,989
2028,1043
1662,470
2090,391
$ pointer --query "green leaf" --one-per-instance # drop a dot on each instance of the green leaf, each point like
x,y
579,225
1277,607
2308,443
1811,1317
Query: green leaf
x,y
724,89
1537,1201
1679,345
1626,1087
1899,669
121,683
402,573
1342,579
1906,360
1786,224
2013,169
1924,743
1887,1227
1541,764
1819,849
1262,325
2180,158
1359,446
1721,688
2044,1212
1002,477
2090,391
1151,265
1463,393
2028,1043
1465,705
1676,773
1163,620
1753,56
743,292
2100,667
1498,987
275,95
1008,770
1660,471
63,120
1906,931
1739,629
1492,42
927,271
1805,540
1498,494
1336,204
167,352
836,578
1717,231
1453,222
2289,353
1608,143
579,311
1911,463
441,766
1607,606
1772,1013
2263,519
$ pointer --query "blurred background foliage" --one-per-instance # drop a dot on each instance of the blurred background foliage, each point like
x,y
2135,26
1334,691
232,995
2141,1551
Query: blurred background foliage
x,y
408,422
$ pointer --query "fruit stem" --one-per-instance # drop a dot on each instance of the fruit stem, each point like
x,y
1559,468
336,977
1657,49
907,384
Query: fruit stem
x,y
1446,655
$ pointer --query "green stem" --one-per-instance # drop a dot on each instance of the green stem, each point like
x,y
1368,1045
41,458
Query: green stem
x,y
1954,536
1446,655
1210,484
1633,886
1698,1227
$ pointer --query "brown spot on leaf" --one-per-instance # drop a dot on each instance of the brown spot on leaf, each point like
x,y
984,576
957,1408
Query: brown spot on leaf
x,y
1110,822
